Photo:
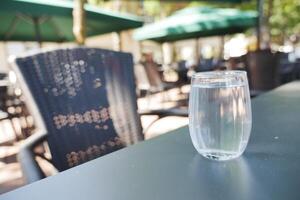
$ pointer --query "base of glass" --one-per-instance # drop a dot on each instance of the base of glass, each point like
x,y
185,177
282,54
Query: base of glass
x,y
220,156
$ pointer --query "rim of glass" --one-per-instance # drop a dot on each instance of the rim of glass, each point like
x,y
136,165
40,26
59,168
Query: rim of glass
x,y
219,74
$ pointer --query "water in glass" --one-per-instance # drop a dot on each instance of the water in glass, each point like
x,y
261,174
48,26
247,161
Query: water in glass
x,y
220,114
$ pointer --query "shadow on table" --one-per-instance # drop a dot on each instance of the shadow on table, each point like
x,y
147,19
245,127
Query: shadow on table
x,y
232,179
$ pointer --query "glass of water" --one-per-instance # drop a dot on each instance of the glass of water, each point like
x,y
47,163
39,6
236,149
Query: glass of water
x,y
220,116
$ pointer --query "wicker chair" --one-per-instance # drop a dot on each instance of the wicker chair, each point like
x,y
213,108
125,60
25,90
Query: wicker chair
x,y
83,103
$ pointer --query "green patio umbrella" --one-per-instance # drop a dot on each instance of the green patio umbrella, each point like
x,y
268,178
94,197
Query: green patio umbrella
x,y
52,20
210,1
197,22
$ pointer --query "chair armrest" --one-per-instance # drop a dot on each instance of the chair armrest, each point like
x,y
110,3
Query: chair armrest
x,y
34,140
161,113
181,112
30,168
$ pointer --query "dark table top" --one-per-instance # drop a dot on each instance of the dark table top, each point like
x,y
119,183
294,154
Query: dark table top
x,y
168,167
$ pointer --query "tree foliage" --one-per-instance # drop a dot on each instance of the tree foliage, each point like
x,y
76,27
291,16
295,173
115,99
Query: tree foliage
x,y
281,17
285,18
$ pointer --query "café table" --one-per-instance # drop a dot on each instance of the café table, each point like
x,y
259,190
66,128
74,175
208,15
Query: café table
x,y
168,167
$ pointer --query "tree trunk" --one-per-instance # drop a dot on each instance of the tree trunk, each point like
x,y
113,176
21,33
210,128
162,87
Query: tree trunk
x,y
260,11
270,12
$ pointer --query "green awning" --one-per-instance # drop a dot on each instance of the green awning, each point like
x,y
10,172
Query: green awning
x,y
198,22
55,21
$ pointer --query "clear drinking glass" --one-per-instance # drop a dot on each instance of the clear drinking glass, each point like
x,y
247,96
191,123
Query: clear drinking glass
x,y
220,117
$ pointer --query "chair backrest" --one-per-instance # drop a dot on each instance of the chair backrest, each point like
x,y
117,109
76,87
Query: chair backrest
x,y
142,80
153,75
86,99
262,68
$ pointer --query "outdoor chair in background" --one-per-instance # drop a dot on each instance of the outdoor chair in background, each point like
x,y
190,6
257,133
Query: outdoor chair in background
x,y
155,80
262,69
297,69
7,133
15,123
83,102
182,69
4,84
154,77
143,82
236,63
205,65
4,116
286,68
3,95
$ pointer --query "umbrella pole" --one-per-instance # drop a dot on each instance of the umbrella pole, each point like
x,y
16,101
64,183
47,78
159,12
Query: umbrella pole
x,y
119,41
37,31
79,21
116,39
140,51
5,54
260,4
222,43
162,54
197,52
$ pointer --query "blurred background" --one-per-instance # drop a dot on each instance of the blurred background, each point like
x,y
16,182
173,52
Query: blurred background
x,y
178,38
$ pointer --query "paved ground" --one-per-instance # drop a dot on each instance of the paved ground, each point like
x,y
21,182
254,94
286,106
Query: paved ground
x,y
10,173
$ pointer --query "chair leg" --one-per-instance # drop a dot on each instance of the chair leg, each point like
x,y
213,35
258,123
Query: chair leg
x,y
148,99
